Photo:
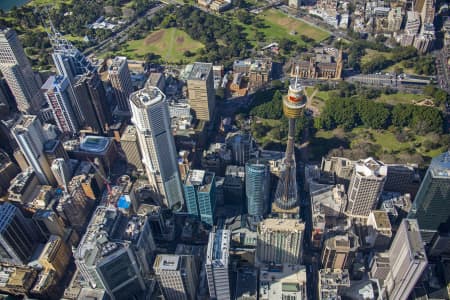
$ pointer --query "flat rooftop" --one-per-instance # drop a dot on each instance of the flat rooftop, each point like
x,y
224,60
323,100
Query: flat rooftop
x,y
92,143
165,262
282,225
200,71
218,247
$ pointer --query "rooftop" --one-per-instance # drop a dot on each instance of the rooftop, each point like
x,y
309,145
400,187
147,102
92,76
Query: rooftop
x,y
108,231
276,280
371,168
282,225
218,247
166,262
92,143
147,96
381,219
200,71
117,63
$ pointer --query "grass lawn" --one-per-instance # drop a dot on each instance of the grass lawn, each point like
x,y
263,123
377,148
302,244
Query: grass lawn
x,y
323,141
400,65
169,43
280,24
48,2
400,98
370,53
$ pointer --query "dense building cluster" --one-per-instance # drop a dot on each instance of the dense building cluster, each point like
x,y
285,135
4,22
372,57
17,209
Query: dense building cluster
x,y
141,187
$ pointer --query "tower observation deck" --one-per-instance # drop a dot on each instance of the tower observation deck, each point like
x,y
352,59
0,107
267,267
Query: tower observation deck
x,y
286,194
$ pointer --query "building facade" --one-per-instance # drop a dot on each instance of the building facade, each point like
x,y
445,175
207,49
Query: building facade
x,y
200,192
130,146
120,78
18,73
217,264
431,206
30,136
200,84
365,187
280,241
17,238
59,96
177,276
257,188
407,260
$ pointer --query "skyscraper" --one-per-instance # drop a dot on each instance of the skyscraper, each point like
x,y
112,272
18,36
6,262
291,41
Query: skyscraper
x,y
407,260
30,136
286,194
280,241
17,239
177,276
93,111
257,187
200,84
59,96
431,206
130,146
62,171
217,260
17,70
120,78
69,61
150,114
365,187
121,275
199,193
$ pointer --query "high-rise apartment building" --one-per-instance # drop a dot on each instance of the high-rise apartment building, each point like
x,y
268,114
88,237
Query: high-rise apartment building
x,y
295,4
257,187
151,117
199,194
217,260
130,146
407,260
120,78
17,238
395,19
8,170
92,108
177,276
17,71
365,187
29,135
426,9
431,206
280,241
60,98
200,84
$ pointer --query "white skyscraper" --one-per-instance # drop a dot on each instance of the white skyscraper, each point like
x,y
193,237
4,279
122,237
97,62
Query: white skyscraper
x,y
30,136
17,70
59,96
217,260
365,187
62,171
152,120
407,260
